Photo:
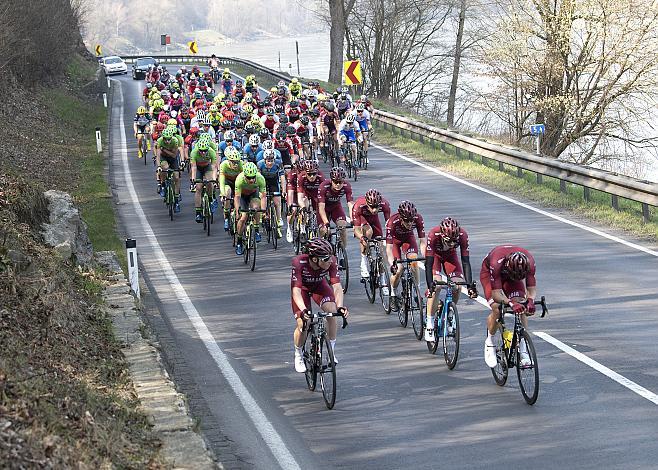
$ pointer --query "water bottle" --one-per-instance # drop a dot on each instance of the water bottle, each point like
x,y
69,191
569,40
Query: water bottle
x,y
507,338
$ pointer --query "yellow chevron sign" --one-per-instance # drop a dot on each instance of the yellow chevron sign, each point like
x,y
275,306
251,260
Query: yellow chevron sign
x,y
98,50
193,47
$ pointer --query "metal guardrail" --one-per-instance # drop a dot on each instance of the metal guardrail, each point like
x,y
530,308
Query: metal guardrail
x,y
616,185
589,178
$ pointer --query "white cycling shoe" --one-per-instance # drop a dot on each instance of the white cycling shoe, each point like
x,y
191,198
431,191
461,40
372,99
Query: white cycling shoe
x,y
525,359
299,363
289,235
429,335
490,353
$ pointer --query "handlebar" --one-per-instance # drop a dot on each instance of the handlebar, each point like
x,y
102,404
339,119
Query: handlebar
x,y
252,211
340,313
544,309
204,181
407,261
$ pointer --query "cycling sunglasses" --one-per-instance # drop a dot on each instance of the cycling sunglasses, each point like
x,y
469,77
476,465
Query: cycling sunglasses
x,y
311,174
324,258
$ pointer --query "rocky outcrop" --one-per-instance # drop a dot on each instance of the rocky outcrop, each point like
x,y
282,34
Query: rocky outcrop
x,y
65,231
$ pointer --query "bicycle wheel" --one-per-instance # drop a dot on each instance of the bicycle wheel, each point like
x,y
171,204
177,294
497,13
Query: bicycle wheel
x,y
274,226
207,215
245,243
170,200
296,234
417,311
343,267
501,370
403,307
384,283
451,336
144,151
327,373
528,375
253,244
370,282
310,355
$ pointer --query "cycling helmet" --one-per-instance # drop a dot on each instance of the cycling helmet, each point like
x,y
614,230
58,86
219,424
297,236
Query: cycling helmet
x,y
281,92
269,155
226,70
517,265
279,109
172,122
364,98
281,135
249,127
329,107
200,115
373,198
321,97
449,229
268,144
283,120
345,90
294,104
294,80
203,145
244,115
168,133
226,124
360,107
163,118
156,96
149,85
248,109
232,154
407,211
198,93
290,130
304,120
141,110
250,170
310,166
337,174
229,136
269,111
213,108
254,140
206,121
349,118
319,247
264,134
239,124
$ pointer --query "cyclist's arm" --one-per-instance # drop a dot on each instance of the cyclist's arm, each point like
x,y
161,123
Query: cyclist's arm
x,y
262,189
298,298
423,246
323,213
222,180
466,266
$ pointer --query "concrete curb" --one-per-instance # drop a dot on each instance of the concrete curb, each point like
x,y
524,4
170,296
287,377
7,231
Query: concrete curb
x,y
167,410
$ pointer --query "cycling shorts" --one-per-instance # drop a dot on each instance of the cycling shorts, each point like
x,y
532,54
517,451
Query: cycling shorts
x,y
273,186
450,263
245,200
173,162
322,293
349,134
510,288
334,212
408,245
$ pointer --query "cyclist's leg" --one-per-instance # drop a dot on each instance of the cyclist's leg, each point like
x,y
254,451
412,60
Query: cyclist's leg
x,y
244,205
164,165
324,297
338,215
254,203
299,336
397,254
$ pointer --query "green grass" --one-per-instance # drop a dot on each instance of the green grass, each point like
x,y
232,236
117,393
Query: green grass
x,y
598,209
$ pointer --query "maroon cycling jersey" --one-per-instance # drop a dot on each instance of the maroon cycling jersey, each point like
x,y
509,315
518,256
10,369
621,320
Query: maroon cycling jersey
x,y
395,231
329,120
328,195
436,245
361,213
269,123
283,145
495,262
305,277
309,188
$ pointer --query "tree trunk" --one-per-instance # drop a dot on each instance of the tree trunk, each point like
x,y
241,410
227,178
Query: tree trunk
x,y
336,38
456,63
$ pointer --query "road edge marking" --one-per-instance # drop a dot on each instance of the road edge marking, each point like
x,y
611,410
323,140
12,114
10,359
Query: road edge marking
x,y
264,427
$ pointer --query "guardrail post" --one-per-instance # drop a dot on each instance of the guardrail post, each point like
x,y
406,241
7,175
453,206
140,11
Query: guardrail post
x,y
615,202
586,194
433,143
458,152
470,155
645,213
519,172
501,166
540,178
422,139
563,186
443,146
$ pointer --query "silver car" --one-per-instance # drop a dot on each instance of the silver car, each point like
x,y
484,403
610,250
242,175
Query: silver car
x,y
114,64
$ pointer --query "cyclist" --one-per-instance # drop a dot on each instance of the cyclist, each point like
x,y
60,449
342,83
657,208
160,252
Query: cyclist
x,y
250,84
309,280
329,195
291,193
252,149
330,121
169,149
229,141
272,171
203,166
441,253
399,238
284,146
508,276
142,128
365,218
363,120
349,131
227,83
229,170
295,88
249,192
304,131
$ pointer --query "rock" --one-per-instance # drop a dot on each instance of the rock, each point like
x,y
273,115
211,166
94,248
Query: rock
x,y
21,261
108,260
65,230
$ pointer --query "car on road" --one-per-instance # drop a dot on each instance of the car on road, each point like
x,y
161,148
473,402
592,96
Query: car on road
x,y
141,66
114,64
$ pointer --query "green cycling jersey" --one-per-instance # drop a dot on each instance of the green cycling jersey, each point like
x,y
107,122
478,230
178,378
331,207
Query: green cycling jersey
x,y
244,187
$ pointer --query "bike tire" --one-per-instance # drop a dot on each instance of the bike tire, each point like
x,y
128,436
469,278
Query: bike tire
x,y
384,297
451,335
528,375
207,216
417,311
343,267
245,244
254,246
501,371
144,148
327,373
369,283
274,227
403,309
310,355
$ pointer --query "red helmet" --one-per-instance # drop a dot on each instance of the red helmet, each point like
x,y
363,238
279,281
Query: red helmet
x,y
407,211
517,265
310,166
319,247
337,174
299,166
164,118
194,130
373,198
449,229
159,127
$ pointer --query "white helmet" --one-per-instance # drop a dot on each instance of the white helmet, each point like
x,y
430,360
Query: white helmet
x,y
254,140
229,135
268,145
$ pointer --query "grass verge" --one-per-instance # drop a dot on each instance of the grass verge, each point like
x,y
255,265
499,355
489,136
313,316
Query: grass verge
x,y
598,209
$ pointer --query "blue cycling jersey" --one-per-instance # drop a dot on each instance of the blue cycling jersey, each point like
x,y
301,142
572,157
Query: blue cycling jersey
x,y
251,153
261,155
349,133
223,145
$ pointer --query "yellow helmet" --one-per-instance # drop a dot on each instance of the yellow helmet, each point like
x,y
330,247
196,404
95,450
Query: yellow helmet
x,y
141,110
248,95
274,89
255,119
321,97
294,80
226,70
172,122
248,108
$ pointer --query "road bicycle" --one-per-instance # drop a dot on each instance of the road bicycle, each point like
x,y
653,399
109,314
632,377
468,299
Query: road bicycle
x,y
249,239
319,356
341,254
411,301
361,153
446,323
509,347
379,280
271,222
347,150
206,211
144,143
305,227
170,194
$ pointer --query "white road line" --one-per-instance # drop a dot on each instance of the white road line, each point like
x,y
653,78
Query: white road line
x,y
629,384
521,204
261,423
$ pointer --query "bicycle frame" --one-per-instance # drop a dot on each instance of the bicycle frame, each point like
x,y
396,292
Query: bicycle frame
x,y
518,329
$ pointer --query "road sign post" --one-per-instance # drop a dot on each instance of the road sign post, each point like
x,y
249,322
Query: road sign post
x,y
133,269
537,130
297,49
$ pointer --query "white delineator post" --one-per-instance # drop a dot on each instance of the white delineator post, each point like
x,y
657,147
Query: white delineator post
x,y
108,82
133,269
538,144
99,144
105,99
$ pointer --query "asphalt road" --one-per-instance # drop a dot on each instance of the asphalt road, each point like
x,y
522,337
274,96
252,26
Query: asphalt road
x,y
397,405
